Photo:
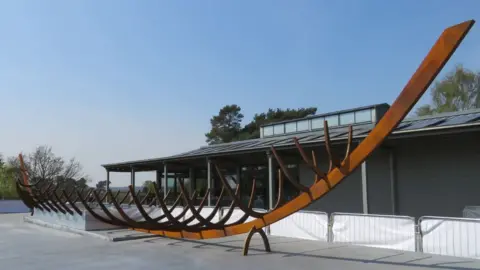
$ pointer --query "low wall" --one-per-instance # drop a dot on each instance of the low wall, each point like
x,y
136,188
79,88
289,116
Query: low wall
x,y
13,206
85,222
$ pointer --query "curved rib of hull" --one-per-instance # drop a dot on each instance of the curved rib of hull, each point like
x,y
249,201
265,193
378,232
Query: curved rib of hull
x,y
172,226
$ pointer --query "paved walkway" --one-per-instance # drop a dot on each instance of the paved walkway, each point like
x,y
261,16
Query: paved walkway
x,y
28,246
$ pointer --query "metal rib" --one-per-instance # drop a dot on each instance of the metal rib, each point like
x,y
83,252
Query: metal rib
x,y
297,185
94,214
201,220
107,212
312,165
72,204
62,204
233,195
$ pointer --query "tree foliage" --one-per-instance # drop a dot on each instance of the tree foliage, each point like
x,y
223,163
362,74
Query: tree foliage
x,y
7,180
226,126
252,129
43,165
102,184
148,186
458,90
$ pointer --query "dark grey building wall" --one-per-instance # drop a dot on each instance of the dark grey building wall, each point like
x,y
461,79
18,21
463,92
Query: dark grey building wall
x,y
438,175
434,175
379,184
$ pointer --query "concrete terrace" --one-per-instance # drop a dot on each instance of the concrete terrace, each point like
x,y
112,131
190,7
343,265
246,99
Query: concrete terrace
x,y
28,246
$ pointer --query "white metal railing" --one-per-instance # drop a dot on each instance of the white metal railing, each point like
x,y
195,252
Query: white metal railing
x,y
310,225
450,236
437,235
385,231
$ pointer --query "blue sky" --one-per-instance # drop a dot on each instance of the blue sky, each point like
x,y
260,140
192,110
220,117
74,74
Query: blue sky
x,y
107,81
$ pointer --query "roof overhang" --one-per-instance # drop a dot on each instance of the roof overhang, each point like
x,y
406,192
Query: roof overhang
x,y
185,160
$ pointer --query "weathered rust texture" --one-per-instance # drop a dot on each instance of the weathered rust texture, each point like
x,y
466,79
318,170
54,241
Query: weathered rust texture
x,y
43,197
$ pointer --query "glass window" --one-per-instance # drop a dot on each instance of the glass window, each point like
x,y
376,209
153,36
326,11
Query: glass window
x,y
201,182
347,118
290,127
317,123
260,199
363,116
170,183
289,190
268,131
279,129
302,125
332,120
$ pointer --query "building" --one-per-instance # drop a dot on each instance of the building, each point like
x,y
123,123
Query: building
x,y
427,166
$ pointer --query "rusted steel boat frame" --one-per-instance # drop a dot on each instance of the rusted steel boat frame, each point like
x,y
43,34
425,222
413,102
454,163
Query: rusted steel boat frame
x,y
47,199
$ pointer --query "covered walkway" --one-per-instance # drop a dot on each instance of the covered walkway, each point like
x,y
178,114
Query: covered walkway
x,y
241,160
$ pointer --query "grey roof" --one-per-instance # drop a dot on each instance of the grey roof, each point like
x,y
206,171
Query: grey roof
x,y
408,125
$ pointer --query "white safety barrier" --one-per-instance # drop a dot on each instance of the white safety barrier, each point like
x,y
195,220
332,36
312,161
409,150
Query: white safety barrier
x,y
238,214
392,232
450,236
310,225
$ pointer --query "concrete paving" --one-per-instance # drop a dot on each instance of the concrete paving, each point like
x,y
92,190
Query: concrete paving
x,y
28,246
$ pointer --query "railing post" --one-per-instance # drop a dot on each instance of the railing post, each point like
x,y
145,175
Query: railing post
x,y
270,180
132,178
164,181
365,188
108,184
158,178
330,228
209,182
419,236
108,180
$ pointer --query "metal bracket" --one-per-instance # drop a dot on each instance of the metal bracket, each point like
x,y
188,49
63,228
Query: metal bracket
x,y
254,230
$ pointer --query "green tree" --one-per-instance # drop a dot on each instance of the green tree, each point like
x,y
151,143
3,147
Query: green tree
x,y
43,165
7,181
148,186
458,90
225,126
102,184
69,183
82,182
